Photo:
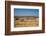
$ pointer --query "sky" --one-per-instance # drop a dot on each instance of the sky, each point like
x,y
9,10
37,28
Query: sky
x,y
26,12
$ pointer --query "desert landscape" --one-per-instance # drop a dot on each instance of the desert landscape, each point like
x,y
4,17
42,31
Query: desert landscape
x,y
25,17
26,21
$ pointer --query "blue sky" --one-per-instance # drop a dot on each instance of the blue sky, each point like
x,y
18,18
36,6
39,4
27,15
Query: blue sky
x,y
26,12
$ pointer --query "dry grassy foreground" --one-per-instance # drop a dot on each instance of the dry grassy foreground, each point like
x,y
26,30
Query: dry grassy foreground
x,y
26,23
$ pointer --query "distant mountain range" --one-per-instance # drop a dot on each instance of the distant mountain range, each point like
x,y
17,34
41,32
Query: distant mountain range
x,y
27,16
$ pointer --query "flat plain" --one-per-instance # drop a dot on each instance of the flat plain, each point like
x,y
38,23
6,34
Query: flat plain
x,y
26,21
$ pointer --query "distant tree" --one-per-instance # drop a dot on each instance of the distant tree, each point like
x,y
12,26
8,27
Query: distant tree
x,y
17,18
